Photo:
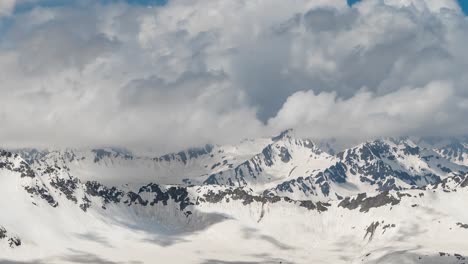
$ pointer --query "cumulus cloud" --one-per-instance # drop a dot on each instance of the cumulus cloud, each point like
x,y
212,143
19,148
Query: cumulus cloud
x,y
408,111
193,72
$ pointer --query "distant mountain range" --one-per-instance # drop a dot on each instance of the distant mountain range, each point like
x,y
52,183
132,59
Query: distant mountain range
x,y
283,199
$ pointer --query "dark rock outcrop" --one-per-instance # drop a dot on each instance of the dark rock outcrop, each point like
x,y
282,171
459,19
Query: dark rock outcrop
x,y
43,193
366,203
108,195
66,186
14,242
371,229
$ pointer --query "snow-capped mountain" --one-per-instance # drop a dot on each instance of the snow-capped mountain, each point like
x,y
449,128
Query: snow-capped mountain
x,y
286,157
383,201
456,151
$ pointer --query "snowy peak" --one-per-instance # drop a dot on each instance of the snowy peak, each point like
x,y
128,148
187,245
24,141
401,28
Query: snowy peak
x,y
456,151
288,133
283,165
398,159
287,157
13,162
257,183
375,166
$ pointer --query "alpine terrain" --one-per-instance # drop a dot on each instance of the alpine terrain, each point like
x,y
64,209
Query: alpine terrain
x,y
271,200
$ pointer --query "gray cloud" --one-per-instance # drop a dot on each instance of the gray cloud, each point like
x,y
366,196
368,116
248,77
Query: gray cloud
x,y
194,72
6,7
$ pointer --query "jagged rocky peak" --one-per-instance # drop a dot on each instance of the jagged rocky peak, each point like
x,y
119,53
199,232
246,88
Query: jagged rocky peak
x,y
13,162
455,150
393,164
291,137
288,133
285,157
380,148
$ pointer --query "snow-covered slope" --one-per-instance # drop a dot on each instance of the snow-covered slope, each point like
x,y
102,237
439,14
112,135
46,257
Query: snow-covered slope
x,y
456,151
377,166
285,158
271,200
116,166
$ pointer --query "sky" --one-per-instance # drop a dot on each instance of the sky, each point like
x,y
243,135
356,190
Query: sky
x,y
175,74
464,5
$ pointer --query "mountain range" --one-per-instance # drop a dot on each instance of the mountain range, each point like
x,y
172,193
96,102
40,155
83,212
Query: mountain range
x,y
284,199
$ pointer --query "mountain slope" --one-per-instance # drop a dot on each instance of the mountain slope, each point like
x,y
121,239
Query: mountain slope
x,y
285,158
272,200
377,166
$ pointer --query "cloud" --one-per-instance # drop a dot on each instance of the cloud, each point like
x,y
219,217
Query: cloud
x,y
422,5
192,72
6,7
408,111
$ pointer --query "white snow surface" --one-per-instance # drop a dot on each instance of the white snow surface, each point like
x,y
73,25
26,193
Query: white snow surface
x,y
429,224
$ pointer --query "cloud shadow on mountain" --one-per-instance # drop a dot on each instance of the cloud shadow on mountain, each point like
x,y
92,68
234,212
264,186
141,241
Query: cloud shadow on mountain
x,y
167,233
409,232
6,261
94,237
251,233
77,256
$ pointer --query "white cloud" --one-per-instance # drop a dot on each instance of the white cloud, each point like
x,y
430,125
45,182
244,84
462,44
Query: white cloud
x,y
431,5
6,7
197,71
408,111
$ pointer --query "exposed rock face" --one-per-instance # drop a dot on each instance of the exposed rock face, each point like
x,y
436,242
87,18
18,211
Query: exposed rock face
x,y
178,194
316,184
7,162
113,195
387,227
281,152
383,167
66,186
13,241
3,232
86,203
43,193
366,203
109,195
455,151
239,194
285,155
371,230
465,182
379,163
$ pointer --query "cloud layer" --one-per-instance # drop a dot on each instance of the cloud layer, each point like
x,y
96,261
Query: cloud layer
x,y
198,71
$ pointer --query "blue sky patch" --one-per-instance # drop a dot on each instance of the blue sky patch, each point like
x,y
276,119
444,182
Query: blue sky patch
x,y
352,2
56,3
464,5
